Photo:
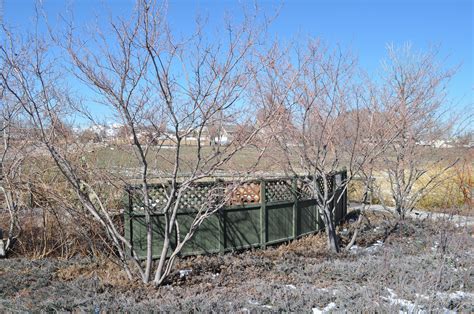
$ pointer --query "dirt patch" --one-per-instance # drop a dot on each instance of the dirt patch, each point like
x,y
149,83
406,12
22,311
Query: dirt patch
x,y
417,265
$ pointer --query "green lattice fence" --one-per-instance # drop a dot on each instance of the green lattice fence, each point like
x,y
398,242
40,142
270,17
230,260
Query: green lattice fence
x,y
259,213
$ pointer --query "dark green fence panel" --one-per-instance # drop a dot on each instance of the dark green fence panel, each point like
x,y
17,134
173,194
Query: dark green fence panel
x,y
205,240
286,211
279,222
242,228
135,230
308,217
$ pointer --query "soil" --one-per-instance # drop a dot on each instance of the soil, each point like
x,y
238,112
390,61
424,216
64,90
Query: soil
x,y
410,265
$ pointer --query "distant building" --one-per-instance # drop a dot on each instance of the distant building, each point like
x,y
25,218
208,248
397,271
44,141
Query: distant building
x,y
212,134
436,143
223,134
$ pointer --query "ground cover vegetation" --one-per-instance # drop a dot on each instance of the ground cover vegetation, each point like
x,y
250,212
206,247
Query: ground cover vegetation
x,y
419,265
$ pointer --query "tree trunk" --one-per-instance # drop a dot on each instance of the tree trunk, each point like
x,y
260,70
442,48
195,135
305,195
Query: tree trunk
x,y
333,244
149,246
401,212
159,275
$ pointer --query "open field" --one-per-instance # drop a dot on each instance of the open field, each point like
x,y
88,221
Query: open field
x,y
117,163
107,156
121,158
414,265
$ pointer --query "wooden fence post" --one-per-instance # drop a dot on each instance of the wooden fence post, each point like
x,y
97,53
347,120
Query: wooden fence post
x,y
222,219
318,204
334,198
294,188
344,198
263,215
338,179
222,238
130,218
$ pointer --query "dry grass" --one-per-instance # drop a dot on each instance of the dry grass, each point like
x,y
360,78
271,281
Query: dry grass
x,y
452,192
56,234
101,269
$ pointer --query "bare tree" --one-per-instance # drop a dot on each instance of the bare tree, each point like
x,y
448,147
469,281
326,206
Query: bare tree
x,y
148,80
414,92
330,120
11,161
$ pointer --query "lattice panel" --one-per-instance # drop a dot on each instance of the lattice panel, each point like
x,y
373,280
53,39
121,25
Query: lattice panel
x,y
305,187
156,194
304,190
203,193
197,196
329,183
158,198
246,193
278,190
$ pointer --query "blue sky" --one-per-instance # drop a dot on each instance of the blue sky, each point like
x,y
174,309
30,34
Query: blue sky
x,y
363,26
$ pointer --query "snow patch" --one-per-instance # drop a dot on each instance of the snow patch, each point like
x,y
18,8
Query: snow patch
x,y
422,296
267,306
460,295
371,249
406,305
291,287
2,248
326,309
184,272
374,247
354,249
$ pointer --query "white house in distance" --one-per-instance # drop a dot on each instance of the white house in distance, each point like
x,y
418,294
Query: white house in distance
x,y
223,134
212,135
436,143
